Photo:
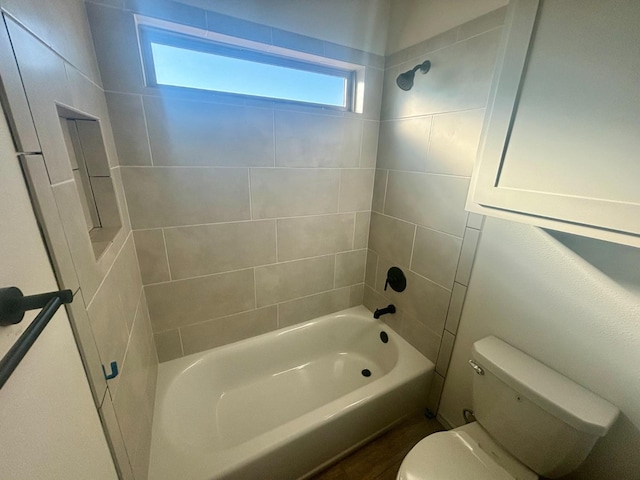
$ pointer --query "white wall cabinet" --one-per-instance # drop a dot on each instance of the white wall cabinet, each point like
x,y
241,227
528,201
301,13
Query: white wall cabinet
x,y
561,140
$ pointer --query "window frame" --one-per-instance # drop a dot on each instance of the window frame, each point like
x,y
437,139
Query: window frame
x,y
151,34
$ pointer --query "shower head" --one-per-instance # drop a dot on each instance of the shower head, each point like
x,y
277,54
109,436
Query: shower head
x,y
405,80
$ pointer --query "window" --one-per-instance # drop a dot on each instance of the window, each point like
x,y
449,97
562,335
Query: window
x,y
174,60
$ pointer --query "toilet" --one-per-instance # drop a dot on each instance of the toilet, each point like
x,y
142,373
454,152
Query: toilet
x,y
531,421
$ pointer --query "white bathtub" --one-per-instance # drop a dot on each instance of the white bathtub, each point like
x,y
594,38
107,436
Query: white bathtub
x,y
281,405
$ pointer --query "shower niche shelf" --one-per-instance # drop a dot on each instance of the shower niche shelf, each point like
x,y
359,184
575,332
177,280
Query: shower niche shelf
x,y
559,144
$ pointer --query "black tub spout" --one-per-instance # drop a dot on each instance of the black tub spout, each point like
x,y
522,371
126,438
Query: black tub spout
x,y
383,311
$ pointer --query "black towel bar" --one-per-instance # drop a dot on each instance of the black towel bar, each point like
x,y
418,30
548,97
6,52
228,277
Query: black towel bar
x,y
12,307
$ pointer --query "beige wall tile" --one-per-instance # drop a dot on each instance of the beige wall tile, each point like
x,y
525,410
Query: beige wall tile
x,y
444,354
128,404
361,234
184,302
45,82
137,365
419,49
314,306
426,341
369,149
153,354
372,299
105,198
356,295
277,192
379,190
305,237
467,255
391,238
75,230
434,201
459,80
89,98
350,268
109,327
455,307
221,331
482,24
143,452
67,17
454,142
116,178
208,134
90,135
403,144
309,140
435,256
206,249
114,35
129,128
49,217
475,220
286,281
166,197
128,280
114,438
435,391
168,345
423,300
374,79
87,346
371,269
356,189
152,256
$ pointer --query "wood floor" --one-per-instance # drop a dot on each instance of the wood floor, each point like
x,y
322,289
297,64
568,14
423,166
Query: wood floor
x,y
381,458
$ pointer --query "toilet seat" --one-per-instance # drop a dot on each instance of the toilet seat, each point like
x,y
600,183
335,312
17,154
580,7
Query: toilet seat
x,y
452,455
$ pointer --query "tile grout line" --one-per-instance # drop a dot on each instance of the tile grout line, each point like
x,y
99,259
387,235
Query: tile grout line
x,y
146,128
275,223
324,255
323,292
339,190
353,237
413,245
180,338
250,199
229,222
166,254
255,290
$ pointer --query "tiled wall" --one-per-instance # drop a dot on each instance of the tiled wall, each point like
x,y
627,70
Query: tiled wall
x,y
56,61
247,215
428,139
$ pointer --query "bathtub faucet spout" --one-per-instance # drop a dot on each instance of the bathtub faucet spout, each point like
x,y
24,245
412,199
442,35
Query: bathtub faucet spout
x,y
383,311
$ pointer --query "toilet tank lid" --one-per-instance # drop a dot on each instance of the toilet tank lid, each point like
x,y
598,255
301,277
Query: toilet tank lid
x,y
551,391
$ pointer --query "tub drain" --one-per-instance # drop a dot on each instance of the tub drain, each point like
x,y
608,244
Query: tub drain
x,y
366,372
384,337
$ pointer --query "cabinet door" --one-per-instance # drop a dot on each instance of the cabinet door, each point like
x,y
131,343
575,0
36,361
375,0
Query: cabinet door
x,y
562,131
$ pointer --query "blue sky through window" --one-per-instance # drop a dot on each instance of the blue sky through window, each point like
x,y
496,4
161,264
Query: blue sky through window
x,y
181,67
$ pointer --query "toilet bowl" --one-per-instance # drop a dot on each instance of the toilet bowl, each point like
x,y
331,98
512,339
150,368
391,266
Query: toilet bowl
x,y
463,453
531,421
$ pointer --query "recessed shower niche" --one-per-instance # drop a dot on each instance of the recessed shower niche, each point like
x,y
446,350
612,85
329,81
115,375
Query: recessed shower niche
x,y
90,166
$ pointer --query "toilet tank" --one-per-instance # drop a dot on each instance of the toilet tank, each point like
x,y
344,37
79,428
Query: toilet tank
x,y
547,421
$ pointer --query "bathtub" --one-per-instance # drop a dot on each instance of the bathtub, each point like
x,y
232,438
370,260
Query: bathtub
x,y
282,405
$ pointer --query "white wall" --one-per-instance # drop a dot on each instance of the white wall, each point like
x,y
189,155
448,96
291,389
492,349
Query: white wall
x,y
50,427
576,312
412,21
360,24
